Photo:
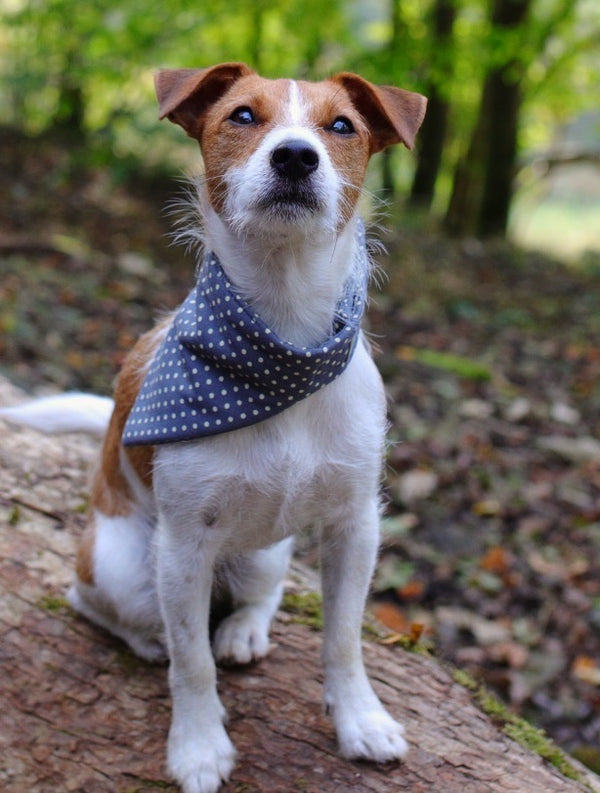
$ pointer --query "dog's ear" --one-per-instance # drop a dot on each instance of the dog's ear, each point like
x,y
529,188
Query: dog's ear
x,y
393,115
184,95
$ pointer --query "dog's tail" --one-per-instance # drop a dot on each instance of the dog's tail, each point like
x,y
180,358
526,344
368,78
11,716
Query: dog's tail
x,y
70,412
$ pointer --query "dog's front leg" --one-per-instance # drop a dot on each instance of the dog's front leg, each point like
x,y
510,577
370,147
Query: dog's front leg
x,y
364,728
200,754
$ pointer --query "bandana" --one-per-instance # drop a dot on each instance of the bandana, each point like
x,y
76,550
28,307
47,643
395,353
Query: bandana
x,y
221,367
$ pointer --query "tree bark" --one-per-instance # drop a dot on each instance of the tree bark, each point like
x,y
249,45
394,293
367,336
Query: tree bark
x,y
81,713
68,123
504,100
482,188
386,158
432,135
467,187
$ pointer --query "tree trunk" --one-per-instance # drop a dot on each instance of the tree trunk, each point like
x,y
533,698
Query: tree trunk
x,y
386,158
504,101
68,123
467,188
482,188
432,134
81,713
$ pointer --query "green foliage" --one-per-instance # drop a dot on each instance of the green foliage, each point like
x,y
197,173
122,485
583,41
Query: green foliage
x,y
304,608
517,728
448,362
86,69
53,604
110,49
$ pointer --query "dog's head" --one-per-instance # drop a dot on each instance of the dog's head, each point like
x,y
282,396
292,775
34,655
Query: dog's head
x,y
281,154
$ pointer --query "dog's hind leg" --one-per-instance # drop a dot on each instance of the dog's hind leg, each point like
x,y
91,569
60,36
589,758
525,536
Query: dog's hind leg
x,y
255,582
115,587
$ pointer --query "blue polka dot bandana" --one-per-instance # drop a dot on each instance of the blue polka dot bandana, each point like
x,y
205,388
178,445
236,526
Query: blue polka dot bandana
x,y
221,368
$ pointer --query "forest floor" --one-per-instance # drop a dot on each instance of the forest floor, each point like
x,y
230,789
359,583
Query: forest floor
x,y
491,358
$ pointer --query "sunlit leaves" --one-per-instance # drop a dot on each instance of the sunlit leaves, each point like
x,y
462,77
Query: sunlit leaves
x,y
108,51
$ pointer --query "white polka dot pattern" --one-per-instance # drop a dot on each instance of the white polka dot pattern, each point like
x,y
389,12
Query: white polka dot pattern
x,y
221,368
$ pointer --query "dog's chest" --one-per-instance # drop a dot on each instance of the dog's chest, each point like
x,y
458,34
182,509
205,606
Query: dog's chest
x,y
301,468
257,514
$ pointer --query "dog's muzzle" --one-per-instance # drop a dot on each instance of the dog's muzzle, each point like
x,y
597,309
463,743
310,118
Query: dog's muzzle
x,y
294,190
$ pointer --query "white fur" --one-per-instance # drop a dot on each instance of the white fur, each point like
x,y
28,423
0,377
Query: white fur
x,y
123,598
296,109
71,412
249,183
313,271
224,509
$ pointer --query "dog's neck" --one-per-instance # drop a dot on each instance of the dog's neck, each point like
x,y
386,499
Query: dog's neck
x,y
293,283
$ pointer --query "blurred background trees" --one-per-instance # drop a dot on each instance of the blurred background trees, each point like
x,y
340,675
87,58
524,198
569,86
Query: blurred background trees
x,y
504,77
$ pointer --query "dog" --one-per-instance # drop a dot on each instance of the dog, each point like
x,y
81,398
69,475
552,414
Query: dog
x,y
253,411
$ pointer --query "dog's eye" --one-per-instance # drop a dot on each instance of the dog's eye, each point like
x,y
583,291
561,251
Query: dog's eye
x,y
342,125
242,116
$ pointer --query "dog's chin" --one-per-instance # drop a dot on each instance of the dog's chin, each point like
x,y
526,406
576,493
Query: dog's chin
x,y
287,210
281,209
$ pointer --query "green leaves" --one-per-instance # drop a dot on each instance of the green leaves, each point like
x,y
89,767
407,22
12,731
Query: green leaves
x,y
86,70
448,362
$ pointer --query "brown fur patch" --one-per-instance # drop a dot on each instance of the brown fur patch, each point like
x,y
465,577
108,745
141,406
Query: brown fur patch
x,y
111,493
85,554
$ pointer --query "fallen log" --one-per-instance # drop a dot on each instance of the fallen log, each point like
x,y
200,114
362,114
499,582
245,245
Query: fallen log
x,y
81,713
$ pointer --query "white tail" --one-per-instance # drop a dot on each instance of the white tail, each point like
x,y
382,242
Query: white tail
x,y
71,412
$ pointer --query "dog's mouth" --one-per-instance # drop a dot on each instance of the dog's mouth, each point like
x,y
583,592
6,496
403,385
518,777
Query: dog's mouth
x,y
290,201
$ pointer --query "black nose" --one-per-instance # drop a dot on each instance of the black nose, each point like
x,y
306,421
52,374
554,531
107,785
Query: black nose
x,y
294,159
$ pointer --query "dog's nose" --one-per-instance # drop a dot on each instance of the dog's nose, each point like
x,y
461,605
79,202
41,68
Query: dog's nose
x,y
294,159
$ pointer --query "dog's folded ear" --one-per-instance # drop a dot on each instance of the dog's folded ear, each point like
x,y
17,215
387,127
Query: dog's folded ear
x,y
184,95
393,115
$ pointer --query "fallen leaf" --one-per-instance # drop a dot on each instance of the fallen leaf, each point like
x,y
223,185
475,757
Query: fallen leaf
x,y
485,631
557,569
412,590
487,507
511,653
396,526
577,450
415,632
475,409
392,573
518,410
406,638
496,560
416,485
565,414
586,669
391,616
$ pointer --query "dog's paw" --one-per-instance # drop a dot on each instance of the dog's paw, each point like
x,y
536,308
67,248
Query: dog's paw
x,y
202,765
145,644
242,637
371,735
151,650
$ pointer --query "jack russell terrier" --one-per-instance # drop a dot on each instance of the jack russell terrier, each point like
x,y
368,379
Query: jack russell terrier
x,y
253,411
